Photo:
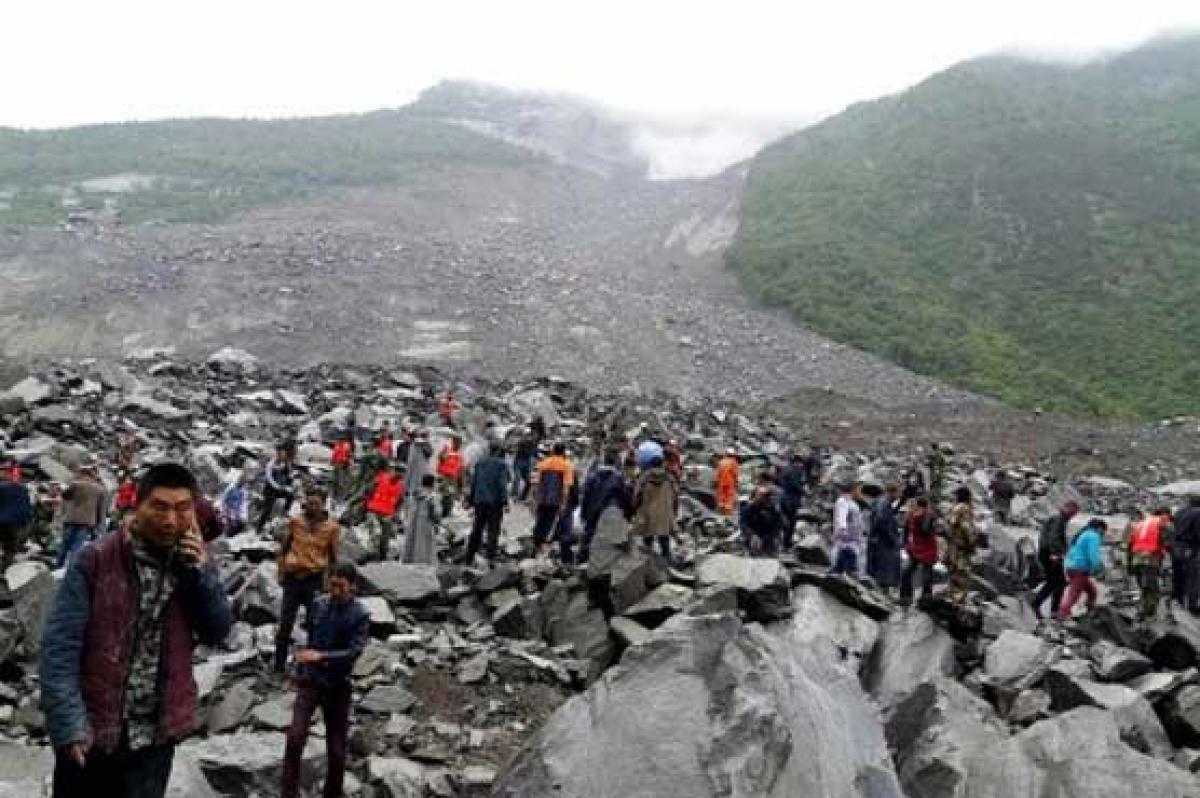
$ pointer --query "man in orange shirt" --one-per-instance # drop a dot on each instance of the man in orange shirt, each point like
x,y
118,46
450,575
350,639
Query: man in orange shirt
x,y
551,493
309,550
1147,545
727,482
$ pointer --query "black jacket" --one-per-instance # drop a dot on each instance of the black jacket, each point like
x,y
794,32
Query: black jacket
x,y
605,487
1187,527
1053,537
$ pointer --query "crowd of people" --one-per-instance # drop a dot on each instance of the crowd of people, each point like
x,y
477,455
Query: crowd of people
x,y
140,585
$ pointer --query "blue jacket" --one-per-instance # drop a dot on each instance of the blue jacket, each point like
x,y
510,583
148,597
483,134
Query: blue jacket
x,y
1085,553
489,482
339,631
15,508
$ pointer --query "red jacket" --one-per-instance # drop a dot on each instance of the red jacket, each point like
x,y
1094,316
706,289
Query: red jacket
x,y
1147,536
922,536
127,495
342,451
387,494
450,463
387,446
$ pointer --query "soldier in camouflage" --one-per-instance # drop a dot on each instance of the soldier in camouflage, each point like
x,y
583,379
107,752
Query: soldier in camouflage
x,y
961,539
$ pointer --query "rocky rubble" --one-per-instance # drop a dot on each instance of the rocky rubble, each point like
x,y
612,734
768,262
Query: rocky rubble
x,y
710,674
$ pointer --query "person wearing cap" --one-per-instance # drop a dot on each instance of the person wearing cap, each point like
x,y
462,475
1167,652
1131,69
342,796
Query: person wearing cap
x,y
1052,547
727,475
308,552
84,504
337,635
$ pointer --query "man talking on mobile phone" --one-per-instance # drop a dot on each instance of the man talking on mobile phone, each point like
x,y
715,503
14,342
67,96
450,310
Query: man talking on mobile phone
x,y
116,662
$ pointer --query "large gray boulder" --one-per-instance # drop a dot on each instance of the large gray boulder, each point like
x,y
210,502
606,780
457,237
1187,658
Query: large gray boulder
x,y
934,731
710,707
1138,725
764,590
1018,660
1181,713
1114,663
245,763
912,650
1078,754
402,583
23,769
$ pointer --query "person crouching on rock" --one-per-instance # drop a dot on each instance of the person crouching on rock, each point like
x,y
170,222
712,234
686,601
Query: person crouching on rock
x,y
762,523
309,550
118,690
337,635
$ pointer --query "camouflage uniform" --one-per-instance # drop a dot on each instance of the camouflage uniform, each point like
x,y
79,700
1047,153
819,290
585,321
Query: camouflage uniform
x,y
156,583
937,476
961,540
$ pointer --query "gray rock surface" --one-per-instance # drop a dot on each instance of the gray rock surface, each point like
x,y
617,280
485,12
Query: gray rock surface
x,y
709,707
912,650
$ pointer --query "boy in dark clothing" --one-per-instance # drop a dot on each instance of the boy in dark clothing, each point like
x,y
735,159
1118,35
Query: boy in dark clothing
x,y
337,635
1052,547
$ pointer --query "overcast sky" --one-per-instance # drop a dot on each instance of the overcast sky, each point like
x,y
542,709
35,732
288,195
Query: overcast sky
x,y
80,61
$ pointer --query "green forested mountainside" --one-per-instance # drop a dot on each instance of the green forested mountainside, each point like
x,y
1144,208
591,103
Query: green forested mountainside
x,y
205,169
1026,230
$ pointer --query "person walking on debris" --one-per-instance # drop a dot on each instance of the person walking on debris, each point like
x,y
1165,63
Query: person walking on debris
x,y
277,484
762,523
848,531
921,543
420,524
1084,559
450,473
126,499
1002,491
234,505
419,456
914,487
342,460
383,505
523,457
83,512
883,545
673,459
16,512
488,497
793,483
727,482
937,474
605,487
1147,545
337,634
551,492
1185,556
1052,547
385,443
655,505
565,531
960,548
309,550
117,686
448,408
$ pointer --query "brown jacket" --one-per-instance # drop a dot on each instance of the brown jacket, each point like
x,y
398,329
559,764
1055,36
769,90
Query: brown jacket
x,y
309,548
655,503
84,503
